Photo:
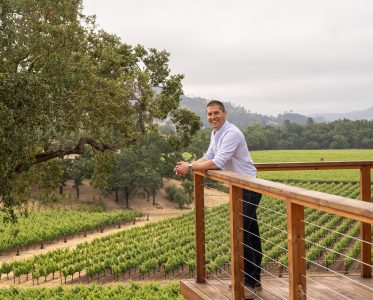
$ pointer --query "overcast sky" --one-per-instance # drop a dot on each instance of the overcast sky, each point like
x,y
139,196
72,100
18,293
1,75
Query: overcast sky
x,y
269,56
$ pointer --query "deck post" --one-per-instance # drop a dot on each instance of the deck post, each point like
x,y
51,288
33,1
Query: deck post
x,y
236,236
199,203
365,228
296,254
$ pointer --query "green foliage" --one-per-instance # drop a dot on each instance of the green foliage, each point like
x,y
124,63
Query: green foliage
x,y
341,134
133,291
138,168
171,242
65,84
268,156
50,225
180,196
170,192
186,156
188,187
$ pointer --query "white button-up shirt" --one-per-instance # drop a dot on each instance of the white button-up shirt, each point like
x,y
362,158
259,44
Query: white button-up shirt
x,y
228,150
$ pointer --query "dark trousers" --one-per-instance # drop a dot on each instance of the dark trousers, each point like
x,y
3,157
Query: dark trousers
x,y
251,237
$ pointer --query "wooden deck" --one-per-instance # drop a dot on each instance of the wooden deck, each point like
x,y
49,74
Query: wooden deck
x,y
318,287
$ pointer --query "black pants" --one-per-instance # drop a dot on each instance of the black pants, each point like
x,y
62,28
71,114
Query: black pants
x,y
251,237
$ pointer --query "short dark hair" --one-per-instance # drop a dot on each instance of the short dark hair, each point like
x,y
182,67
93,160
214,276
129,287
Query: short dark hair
x,y
218,103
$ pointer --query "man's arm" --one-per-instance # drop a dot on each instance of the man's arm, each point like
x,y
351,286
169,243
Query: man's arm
x,y
182,168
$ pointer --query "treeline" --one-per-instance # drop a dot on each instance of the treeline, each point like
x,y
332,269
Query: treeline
x,y
340,134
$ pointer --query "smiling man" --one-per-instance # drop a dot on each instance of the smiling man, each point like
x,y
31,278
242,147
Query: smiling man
x,y
228,151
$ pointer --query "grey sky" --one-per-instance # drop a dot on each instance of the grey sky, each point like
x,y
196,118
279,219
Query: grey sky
x,y
269,56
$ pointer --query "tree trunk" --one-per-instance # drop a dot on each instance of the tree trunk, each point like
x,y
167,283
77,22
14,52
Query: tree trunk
x,y
61,189
77,191
153,198
116,196
127,202
126,198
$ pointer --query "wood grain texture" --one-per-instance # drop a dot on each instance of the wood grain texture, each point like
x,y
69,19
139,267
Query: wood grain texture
x,y
200,227
347,207
366,228
236,235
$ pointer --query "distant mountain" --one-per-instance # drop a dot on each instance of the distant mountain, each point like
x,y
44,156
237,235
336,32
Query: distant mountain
x,y
241,116
353,115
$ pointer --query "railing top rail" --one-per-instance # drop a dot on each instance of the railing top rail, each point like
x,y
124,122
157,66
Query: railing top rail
x,y
347,207
317,165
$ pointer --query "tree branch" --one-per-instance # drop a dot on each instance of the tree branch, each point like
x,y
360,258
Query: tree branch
x,y
31,66
78,149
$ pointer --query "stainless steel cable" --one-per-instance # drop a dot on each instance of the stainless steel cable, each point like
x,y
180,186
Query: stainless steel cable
x,y
277,278
264,239
266,208
265,288
326,248
309,278
262,222
331,230
219,267
217,278
255,293
214,240
265,255
339,274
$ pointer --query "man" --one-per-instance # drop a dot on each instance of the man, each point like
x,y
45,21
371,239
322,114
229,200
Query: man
x,y
228,151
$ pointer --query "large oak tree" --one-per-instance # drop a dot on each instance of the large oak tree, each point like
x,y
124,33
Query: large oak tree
x,y
65,84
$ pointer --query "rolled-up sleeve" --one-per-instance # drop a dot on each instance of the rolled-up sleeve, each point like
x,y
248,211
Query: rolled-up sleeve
x,y
227,149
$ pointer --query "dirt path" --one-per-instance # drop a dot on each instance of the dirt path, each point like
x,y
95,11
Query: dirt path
x,y
162,210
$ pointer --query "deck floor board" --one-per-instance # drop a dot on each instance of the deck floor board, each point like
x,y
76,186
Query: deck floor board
x,y
318,287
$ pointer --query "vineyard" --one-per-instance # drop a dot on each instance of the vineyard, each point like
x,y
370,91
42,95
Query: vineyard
x,y
54,224
311,156
134,291
166,248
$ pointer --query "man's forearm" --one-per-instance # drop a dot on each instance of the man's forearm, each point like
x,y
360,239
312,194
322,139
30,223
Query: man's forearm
x,y
182,168
202,165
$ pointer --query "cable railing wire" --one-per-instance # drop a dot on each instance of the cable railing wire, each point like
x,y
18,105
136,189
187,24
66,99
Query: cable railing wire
x,y
305,258
213,240
218,279
266,224
266,289
219,266
263,207
329,249
325,286
260,267
280,263
264,239
340,233
253,292
339,274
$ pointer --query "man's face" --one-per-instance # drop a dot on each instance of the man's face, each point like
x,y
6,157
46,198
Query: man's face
x,y
215,116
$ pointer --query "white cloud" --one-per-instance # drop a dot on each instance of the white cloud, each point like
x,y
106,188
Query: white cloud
x,y
271,56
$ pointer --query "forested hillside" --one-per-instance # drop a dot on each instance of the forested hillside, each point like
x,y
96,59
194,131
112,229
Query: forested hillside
x,y
241,116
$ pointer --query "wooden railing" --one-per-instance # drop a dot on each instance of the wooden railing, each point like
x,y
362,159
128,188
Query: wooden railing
x,y
296,200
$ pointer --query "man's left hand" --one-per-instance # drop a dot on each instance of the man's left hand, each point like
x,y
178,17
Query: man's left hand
x,y
181,168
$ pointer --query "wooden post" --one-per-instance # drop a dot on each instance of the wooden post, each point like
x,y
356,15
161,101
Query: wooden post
x,y
199,203
297,264
236,236
365,228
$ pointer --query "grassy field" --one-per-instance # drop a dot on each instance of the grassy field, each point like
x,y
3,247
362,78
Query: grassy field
x,y
310,156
